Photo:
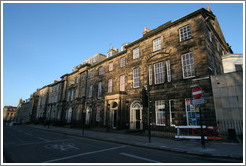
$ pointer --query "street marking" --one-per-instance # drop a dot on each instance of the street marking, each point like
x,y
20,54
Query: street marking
x,y
141,158
83,154
61,147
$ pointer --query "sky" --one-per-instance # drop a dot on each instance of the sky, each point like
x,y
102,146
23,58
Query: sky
x,y
43,41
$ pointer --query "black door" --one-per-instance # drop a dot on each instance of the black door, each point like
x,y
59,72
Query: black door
x,y
115,118
138,119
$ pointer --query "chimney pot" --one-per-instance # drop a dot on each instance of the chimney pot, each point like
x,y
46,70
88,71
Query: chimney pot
x,y
112,47
208,8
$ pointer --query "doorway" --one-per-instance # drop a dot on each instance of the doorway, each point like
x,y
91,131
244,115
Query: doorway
x,y
114,115
136,121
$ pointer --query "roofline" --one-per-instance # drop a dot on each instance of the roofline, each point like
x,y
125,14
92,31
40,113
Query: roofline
x,y
169,24
68,74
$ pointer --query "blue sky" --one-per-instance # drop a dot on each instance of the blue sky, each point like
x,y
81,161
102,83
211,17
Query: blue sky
x,y
41,42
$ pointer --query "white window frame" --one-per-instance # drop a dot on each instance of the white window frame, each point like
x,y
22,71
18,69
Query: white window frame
x,y
122,83
184,33
99,95
90,91
72,94
123,62
170,111
189,67
110,85
157,44
77,80
169,74
100,70
160,104
135,52
150,75
136,78
76,93
68,95
159,72
110,66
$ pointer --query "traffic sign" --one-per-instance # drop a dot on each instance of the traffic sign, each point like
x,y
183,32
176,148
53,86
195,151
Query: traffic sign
x,y
198,101
197,92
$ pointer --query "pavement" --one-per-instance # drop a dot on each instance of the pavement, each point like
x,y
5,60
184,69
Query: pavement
x,y
212,149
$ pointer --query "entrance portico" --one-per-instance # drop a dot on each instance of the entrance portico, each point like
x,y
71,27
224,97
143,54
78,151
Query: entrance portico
x,y
114,110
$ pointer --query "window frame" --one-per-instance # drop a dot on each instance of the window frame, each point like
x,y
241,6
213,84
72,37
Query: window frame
x,y
135,53
161,72
150,75
192,76
181,39
99,92
157,44
123,62
110,66
122,84
169,72
171,111
158,103
136,80
91,74
100,70
90,91
110,85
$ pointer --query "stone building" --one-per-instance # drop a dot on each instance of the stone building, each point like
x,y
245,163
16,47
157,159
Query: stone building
x,y
232,62
54,104
24,111
9,113
42,103
167,61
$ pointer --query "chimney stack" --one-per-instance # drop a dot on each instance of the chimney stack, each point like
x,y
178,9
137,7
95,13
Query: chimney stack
x,y
146,30
208,9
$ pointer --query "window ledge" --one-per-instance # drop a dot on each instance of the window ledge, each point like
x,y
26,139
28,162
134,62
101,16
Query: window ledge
x,y
185,40
189,77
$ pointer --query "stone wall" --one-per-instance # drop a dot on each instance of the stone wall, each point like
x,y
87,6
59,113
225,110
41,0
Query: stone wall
x,y
228,97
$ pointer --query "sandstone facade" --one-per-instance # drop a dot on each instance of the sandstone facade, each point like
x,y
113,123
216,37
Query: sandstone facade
x,y
166,61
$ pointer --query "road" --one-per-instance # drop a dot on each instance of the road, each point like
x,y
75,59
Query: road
x,y
25,144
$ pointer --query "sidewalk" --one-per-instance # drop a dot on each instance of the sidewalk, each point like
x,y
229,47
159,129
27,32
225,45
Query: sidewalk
x,y
213,148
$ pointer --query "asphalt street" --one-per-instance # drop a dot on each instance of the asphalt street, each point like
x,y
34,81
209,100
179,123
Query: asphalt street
x,y
24,144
